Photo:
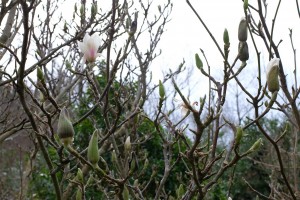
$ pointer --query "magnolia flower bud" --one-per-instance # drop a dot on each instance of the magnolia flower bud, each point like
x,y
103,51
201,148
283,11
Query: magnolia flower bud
x,y
93,153
81,10
127,25
113,156
239,135
94,10
132,165
79,175
65,128
243,51
133,27
161,90
180,191
136,183
65,29
127,145
243,30
125,193
256,145
78,194
226,37
272,75
40,74
146,164
199,63
75,8
245,4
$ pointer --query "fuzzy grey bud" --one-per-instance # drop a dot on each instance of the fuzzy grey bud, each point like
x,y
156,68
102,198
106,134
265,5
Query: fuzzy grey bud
x,y
243,51
243,30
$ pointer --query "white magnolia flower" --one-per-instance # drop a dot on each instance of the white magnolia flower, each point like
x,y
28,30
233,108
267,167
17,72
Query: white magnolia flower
x,y
89,47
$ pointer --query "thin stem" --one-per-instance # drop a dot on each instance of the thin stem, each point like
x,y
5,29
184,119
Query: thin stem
x,y
274,144
272,29
21,91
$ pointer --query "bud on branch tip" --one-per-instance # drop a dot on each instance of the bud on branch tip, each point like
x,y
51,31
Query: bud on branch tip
x,y
226,37
243,30
161,90
272,75
93,153
65,128
245,4
199,63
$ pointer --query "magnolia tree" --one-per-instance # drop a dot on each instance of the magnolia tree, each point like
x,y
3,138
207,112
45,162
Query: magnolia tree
x,y
75,91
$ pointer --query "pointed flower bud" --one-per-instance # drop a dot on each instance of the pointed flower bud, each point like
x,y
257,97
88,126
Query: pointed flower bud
x,y
65,29
146,164
272,75
93,153
239,135
40,74
243,30
245,4
75,8
81,10
94,10
180,191
243,51
127,145
127,25
89,47
256,145
159,8
79,175
113,156
161,90
125,193
136,183
226,37
199,63
78,194
133,27
65,128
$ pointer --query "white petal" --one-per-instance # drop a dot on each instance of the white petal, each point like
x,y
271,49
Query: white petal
x,y
86,38
96,40
273,62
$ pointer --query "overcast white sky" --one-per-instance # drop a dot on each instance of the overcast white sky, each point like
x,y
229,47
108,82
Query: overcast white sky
x,y
184,34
